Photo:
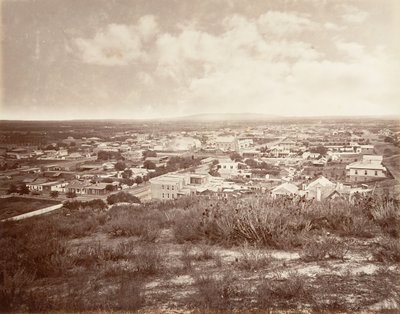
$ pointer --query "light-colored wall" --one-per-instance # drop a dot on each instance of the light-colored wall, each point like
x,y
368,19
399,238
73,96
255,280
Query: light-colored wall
x,y
361,176
165,191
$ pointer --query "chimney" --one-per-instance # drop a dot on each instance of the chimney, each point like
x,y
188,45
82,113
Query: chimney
x,y
318,193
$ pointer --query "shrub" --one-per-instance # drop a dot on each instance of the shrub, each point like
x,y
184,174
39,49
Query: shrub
x,y
147,261
96,254
187,257
281,293
125,225
122,197
252,260
205,253
187,227
387,251
129,296
12,290
77,226
387,215
316,250
94,205
216,293
70,194
36,252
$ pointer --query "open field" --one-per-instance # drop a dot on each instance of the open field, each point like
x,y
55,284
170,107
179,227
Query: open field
x,y
13,206
393,165
200,255
386,149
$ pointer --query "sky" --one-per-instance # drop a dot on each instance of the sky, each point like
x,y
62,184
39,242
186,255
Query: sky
x,y
139,59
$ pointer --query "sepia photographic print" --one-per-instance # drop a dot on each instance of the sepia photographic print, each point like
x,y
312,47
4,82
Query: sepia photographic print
x,y
200,156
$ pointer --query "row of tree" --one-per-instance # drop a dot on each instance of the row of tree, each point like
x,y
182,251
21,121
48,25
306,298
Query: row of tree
x,y
98,204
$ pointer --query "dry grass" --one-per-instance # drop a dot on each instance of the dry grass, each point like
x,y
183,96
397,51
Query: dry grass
x,y
75,262
282,293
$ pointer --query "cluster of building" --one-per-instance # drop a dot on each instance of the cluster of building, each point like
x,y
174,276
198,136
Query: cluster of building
x,y
307,161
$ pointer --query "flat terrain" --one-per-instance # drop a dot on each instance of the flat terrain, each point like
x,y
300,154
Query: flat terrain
x,y
386,149
197,255
13,206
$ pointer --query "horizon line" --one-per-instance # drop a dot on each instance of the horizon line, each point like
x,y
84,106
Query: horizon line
x,y
261,116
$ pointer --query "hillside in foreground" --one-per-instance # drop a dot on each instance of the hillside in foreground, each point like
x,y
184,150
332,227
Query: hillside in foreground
x,y
200,255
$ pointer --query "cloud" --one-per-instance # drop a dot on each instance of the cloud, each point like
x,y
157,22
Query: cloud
x,y
260,64
194,53
333,27
284,23
306,87
352,14
117,44
147,27
351,49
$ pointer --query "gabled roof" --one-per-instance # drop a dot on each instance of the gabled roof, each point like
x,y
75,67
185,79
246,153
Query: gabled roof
x,y
289,187
77,184
322,181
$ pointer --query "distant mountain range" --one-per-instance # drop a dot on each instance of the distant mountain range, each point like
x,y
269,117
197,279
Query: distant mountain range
x,y
225,117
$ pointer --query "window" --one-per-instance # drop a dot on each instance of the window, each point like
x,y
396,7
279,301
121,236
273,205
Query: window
x,y
162,187
173,187
376,172
167,187
231,167
168,195
163,195
366,172
356,172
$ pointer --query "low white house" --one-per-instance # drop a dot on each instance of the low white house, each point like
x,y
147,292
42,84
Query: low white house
x,y
228,167
369,168
285,189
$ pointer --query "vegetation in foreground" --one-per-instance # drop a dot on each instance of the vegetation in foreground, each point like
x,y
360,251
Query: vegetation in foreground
x,y
202,255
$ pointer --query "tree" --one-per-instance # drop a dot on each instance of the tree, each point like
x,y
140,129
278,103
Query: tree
x,y
149,153
96,204
103,155
236,157
70,194
54,194
149,165
251,163
215,162
109,187
12,189
119,166
122,197
388,139
127,181
322,150
138,180
214,173
108,180
23,189
127,173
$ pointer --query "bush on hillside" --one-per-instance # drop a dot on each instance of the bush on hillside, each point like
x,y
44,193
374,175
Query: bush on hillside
x,y
122,197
